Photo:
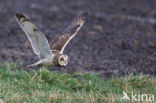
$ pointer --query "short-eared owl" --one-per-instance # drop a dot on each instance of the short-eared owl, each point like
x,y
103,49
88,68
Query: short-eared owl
x,y
50,54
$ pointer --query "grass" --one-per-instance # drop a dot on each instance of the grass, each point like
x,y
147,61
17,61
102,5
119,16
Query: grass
x,y
44,86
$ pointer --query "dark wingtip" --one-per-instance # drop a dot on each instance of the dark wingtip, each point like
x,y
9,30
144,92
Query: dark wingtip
x,y
19,16
84,15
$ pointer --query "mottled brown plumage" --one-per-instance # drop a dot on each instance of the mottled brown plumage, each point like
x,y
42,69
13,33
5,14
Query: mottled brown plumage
x,y
62,39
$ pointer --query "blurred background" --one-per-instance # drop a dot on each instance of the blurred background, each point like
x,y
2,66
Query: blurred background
x,y
118,38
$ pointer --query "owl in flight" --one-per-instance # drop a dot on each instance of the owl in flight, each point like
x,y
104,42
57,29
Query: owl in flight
x,y
50,54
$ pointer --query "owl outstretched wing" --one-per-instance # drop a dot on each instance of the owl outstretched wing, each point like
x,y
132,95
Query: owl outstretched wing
x,y
37,39
60,42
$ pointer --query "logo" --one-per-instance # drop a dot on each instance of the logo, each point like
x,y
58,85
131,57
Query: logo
x,y
138,97
125,96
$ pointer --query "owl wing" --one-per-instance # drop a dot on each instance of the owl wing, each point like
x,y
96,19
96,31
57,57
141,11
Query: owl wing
x,y
60,42
37,39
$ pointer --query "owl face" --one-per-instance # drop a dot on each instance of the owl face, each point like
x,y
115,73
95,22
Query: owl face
x,y
63,60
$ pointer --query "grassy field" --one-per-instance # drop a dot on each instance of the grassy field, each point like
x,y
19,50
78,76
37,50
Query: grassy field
x,y
44,86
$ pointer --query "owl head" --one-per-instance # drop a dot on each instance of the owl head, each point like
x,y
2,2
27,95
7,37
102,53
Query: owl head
x,y
63,60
